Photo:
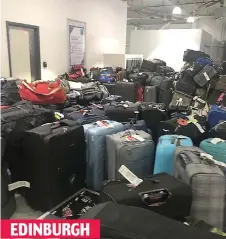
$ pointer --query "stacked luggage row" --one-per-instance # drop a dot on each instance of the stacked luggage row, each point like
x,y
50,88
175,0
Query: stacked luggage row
x,y
70,135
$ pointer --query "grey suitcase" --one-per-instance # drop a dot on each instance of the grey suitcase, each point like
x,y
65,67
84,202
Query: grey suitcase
x,y
137,155
150,94
95,151
208,184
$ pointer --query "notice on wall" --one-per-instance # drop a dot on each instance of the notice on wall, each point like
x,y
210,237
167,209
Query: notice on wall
x,y
77,42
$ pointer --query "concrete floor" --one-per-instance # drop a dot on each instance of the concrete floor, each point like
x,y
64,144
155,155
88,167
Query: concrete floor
x,y
23,211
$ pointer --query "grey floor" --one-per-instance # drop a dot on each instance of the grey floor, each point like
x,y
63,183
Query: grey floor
x,y
23,211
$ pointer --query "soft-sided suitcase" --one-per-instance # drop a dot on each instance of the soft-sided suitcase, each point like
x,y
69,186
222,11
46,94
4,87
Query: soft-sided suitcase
x,y
207,181
95,151
127,222
53,163
121,111
180,101
205,76
153,114
24,116
127,90
150,94
132,148
215,147
216,114
8,203
111,99
165,151
175,201
219,131
110,87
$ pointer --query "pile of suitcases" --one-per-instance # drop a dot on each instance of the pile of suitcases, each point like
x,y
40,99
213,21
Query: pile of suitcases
x,y
144,146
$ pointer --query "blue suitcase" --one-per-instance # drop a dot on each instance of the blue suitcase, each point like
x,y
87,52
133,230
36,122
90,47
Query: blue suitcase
x,y
165,151
216,114
217,150
95,151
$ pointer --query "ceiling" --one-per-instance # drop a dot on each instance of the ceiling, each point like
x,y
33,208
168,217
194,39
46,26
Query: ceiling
x,y
155,12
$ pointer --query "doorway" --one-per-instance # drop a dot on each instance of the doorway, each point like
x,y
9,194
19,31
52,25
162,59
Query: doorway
x,y
24,51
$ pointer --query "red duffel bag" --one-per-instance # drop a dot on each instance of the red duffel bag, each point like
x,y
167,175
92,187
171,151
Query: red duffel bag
x,y
42,92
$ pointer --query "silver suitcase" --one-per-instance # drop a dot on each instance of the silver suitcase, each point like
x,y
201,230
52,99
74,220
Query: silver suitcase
x,y
137,155
208,184
150,94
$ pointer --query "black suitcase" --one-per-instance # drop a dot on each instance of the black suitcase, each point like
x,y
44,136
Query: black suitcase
x,y
175,201
8,203
110,87
150,94
219,131
153,114
121,112
127,90
24,116
205,76
53,162
127,222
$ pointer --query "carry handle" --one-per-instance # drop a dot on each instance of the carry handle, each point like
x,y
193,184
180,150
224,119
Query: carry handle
x,y
58,124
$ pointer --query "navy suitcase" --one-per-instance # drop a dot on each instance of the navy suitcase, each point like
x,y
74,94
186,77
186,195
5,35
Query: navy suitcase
x,y
95,151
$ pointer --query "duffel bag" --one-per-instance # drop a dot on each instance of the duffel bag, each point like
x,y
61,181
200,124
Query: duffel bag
x,y
127,222
165,70
192,56
42,92
24,116
9,92
173,191
139,78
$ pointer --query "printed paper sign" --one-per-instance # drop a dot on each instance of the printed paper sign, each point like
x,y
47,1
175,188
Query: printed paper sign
x,y
131,177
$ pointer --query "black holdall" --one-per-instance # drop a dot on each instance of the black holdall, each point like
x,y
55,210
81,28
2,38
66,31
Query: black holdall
x,y
127,222
161,193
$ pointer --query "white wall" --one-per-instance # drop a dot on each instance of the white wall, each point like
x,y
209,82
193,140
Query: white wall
x,y
168,45
106,29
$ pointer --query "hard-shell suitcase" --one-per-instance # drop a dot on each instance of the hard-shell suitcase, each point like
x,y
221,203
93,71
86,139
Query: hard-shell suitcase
x,y
165,152
128,222
53,163
127,90
207,180
95,151
132,148
150,94
110,87
215,147
140,93
216,114
175,202
121,111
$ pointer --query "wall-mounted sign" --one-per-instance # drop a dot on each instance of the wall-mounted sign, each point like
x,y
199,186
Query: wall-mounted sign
x,y
77,42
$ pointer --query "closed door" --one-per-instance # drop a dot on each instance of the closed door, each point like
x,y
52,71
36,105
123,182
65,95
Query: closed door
x,y
23,59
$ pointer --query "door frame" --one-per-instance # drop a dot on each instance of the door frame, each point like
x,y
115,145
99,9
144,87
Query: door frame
x,y
37,45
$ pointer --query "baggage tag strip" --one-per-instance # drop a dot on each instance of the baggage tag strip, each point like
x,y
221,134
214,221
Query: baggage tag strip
x,y
206,76
18,184
216,141
131,177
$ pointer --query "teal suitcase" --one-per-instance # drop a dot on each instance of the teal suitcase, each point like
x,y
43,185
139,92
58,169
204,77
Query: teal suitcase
x,y
216,149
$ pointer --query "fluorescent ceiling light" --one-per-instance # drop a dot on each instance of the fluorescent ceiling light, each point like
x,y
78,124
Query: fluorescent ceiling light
x,y
177,11
190,19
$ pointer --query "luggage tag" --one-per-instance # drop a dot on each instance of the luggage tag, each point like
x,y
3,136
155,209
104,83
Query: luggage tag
x,y
131,177
19,184
58,116
216,141
206,76
104,124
